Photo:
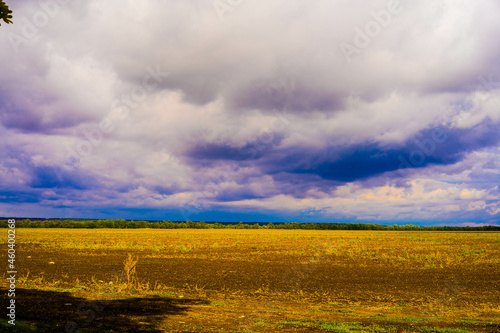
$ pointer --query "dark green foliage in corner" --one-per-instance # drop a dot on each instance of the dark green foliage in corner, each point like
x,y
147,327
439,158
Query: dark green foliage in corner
x,y
5,13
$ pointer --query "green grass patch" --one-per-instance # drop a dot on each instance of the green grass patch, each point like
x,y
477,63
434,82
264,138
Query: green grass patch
x,y
444,330
20,327
340,327
475,321
298,322
356,327
398,319
165,293
218,303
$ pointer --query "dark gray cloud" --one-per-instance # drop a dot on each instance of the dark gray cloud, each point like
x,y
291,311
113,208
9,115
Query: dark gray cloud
x,y
51,177
434,146
222,151
295,97
19,196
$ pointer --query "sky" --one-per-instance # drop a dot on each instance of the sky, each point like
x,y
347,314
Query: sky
x,y
233,110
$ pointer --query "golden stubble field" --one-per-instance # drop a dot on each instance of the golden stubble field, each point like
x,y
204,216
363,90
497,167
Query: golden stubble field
x,y
237,280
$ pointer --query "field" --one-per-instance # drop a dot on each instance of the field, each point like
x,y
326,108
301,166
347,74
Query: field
x,y
235,280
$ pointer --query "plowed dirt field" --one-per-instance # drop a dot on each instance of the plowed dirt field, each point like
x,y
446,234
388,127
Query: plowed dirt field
x,y
234,280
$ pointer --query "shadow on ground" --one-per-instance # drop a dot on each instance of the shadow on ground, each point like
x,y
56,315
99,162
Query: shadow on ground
x,y
49,311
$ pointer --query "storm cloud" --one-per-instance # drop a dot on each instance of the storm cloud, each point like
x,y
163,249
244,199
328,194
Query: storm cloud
x,y
323,111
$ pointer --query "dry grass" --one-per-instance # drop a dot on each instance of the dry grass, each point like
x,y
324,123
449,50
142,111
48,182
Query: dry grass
x,y
432,250
129,270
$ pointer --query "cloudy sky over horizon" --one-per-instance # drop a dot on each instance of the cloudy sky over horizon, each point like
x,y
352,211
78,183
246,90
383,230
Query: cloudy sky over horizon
x,y
318,111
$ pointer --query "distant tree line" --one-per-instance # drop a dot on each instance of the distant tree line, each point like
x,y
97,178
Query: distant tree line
x,y
126,224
